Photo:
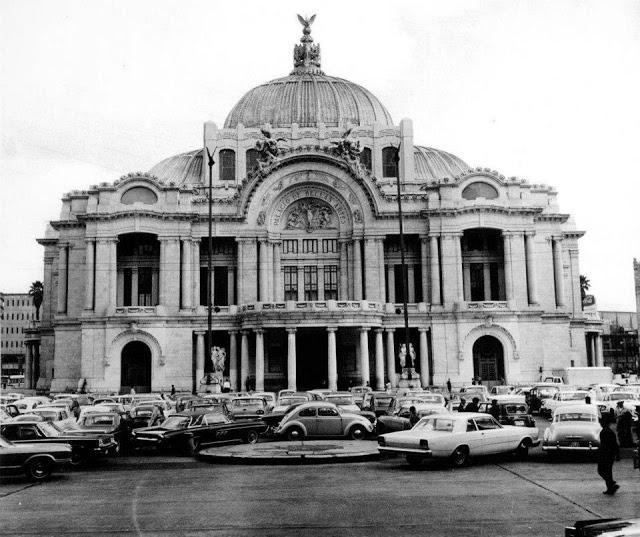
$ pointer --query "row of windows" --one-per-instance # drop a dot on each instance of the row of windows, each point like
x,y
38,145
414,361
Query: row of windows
x,y
17,302
10,344
227,162
310,282
12,330
310,246
18,316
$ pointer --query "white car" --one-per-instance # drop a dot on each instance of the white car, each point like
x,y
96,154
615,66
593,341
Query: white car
x,y
27,404
61,416
562,398
457,437
574,428
629,401
506,394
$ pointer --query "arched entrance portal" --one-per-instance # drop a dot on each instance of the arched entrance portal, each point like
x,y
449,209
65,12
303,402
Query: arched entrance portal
x,y
135,371
488,359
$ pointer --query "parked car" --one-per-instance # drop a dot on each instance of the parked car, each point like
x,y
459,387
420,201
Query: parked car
x,y
346,401
573,428
539,393
629,402
36,461
321,418
190,431
83,446
269,397
109,423
512,413
141,415
247,407
475,390
27,404
380,403
399,421
458,437
58,415
286,401
8,412
604,527
562,398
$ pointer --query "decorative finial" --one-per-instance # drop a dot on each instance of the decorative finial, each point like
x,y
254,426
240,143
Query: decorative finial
x,y
306,57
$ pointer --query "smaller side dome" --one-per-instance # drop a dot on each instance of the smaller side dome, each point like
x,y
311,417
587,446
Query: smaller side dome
x,y
434,164
182,169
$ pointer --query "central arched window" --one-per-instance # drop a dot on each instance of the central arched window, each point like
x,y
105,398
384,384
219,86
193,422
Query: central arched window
x,y
483,265
389,164
479,190
227,165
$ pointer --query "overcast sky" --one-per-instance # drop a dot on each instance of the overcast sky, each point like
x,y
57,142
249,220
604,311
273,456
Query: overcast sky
x,y
548,91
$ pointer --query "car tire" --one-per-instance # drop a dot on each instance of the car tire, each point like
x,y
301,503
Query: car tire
x,y
39,469
77,458
295,433
522,451
251,437
460,457
357,432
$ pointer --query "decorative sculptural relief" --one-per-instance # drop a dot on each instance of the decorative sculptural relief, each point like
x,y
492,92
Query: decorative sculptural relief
x,y
310,215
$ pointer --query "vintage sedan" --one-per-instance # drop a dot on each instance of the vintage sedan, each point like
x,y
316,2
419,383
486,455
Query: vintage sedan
x,y
574,428
511,413
55,414
399,420
106,423
84,446
380,403
188,432
347,402
321,418
247,407
563,398
458,437
35,460
630,400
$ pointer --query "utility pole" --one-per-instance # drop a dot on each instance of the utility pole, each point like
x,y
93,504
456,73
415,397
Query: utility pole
x,y
210,162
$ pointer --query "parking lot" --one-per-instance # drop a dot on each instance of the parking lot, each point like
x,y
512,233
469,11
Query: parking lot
x,y
158,495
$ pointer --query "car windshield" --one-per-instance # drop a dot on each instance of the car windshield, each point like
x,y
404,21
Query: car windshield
x,y
340,400
432,399
383,401
547,392
144,412
474,389
516,409
286,401
410,402
500,390
217,417
175,422
49,429
573,396
98,421
576,416
435,424
246,402
49,415
619,396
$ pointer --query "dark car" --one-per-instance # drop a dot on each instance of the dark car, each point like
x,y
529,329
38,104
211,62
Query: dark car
x,y
603,527
84,446
106,423
141,415
187,432
513,413
35,460
379,402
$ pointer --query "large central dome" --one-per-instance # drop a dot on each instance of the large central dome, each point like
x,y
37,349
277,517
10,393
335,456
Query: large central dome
x,y
308,97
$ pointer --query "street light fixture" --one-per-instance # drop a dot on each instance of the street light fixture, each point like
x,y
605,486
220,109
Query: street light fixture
x,y
210,163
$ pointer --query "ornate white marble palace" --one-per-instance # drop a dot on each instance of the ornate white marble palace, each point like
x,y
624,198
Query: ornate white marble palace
x,y
306,260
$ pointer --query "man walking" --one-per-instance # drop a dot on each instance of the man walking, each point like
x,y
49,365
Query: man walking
x,y
607,453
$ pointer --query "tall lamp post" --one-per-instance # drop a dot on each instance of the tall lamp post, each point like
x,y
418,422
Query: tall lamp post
x,y
210,163
396,158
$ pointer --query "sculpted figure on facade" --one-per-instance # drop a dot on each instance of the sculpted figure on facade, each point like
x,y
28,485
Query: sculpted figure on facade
x,y
268,149
310,215
218,357
346,148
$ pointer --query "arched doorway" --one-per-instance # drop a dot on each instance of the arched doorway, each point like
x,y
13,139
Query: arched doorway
x,y
488,359
135,371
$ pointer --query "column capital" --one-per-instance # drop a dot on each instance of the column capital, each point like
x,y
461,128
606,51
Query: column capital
x,y
423,329
530,233
90,240
200,332
233,331
244,332
291,330
434,235
259,330
424,239
107,240
364,328
391,330
378,330
246,239
511,233
169,239
452,235
332,328
556,238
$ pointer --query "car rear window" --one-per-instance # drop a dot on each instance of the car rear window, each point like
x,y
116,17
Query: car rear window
x,y
435,424
575,416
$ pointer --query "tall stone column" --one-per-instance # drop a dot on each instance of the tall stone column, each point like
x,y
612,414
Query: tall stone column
x,y
195,272
244,358
532,286
259,359
332,359
558,269
411,284
424,357
344,271
379,360
452,269
233,359
357,270
291,359
300,284
381,295
591,340
264,271
113,274
278,286
391,358
231,285
89,271
270,282
364,355
28,361
457,244
186,274
391,280
424,264
434,266
63,255
199,357
240,299
170,272
508,266
372,271
102,276
599,359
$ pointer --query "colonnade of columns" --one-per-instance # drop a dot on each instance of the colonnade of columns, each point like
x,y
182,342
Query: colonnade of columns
x,y
384,358
594,350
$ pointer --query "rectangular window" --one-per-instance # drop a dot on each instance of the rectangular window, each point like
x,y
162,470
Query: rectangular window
x,y
290,246
145,286
291,283
329,246
494,274
309,246
310,283
476,277
126,292
331,282
220,286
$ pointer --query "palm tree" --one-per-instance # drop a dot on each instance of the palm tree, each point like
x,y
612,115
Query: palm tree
x,y
36,291
585,284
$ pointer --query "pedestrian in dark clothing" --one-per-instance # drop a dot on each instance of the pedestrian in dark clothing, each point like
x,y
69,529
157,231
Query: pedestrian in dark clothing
x,y
413,416
494,410
607,453
473,405
449,386
462,405
173,391
623,427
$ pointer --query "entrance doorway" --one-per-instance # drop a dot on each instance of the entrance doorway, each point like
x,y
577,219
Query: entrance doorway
x,y
135,369
311,358
488,359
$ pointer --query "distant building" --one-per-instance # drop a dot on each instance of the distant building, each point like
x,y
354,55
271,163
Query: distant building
x,y
636,279
620,341
18,312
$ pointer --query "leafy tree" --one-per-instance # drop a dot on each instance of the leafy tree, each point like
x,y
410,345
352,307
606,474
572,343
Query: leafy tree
x,y
585,284
36,291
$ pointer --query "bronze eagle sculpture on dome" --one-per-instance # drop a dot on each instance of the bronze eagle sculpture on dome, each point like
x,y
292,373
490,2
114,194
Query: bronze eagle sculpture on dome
x,y
306,22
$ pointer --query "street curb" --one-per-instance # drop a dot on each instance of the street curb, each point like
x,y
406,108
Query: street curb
x,y
287,460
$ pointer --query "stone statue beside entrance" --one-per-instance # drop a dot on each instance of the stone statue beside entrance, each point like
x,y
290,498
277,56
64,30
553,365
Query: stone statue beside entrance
x,y
409,377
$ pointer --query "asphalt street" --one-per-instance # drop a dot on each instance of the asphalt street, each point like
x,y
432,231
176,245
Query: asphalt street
x,y
181,496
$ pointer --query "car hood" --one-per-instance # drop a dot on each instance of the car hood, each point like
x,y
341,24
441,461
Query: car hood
x,y
38,448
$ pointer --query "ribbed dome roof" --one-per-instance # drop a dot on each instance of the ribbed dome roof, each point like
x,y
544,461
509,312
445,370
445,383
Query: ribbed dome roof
x,y
307,99
434,164
307,96
184,168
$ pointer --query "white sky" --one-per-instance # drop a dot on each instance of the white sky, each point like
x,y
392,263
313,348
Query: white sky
x,y
546,90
